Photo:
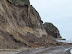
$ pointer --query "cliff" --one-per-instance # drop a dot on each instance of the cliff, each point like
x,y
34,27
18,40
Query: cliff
x,y
52,30
21,26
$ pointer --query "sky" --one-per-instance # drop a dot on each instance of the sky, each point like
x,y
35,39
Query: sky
x,y
58,12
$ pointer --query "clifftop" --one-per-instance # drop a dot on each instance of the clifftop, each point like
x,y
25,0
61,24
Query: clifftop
x,y
19,2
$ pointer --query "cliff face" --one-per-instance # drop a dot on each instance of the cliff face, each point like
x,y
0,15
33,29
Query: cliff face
x,y
21,25
52,30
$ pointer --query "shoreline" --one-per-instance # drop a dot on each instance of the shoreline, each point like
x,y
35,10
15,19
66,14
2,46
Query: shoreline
x,y
50,50
53,50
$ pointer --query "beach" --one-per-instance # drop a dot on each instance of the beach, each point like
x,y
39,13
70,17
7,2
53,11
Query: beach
x,y
42,50
49,50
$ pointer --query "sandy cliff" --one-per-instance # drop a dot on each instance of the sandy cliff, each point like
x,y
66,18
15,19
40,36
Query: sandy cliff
x,y
21,25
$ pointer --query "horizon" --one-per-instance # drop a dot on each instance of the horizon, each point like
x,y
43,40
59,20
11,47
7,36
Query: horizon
x,y
58,12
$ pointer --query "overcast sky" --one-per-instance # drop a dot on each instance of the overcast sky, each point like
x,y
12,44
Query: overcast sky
x,y
59,12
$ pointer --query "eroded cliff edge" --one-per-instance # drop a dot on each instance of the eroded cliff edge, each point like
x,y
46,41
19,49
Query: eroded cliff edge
x,y
21,25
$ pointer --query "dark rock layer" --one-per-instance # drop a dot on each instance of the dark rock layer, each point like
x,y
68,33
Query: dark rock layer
x,y
52,30
19,2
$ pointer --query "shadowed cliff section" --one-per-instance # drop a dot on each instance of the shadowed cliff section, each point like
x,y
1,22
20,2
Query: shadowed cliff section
x,y
52,30
21,25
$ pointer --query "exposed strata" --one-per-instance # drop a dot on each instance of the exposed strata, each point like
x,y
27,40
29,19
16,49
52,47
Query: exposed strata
x,y
21,26
17,29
